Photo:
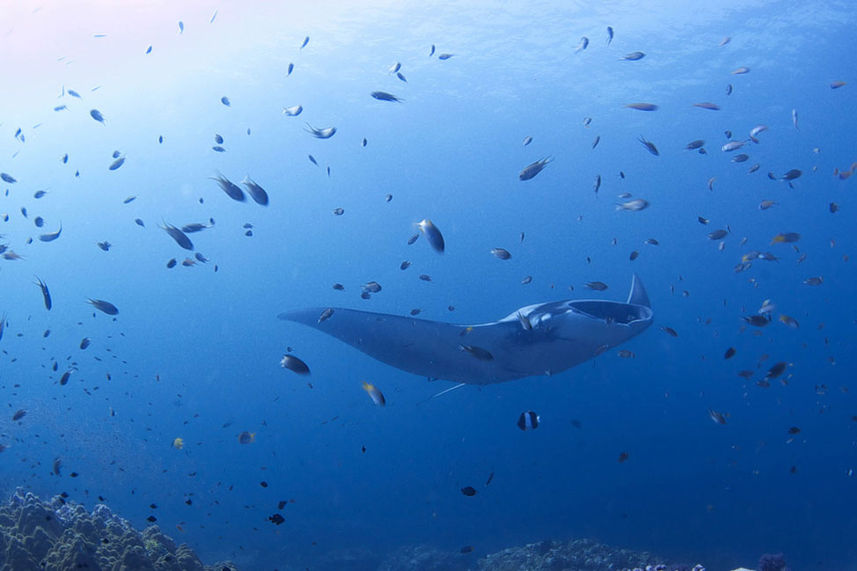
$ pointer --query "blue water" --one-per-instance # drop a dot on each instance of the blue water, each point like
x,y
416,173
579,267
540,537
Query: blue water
x,y
194,353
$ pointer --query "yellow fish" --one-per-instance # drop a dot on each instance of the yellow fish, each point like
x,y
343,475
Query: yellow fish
x,y
178,443
376,395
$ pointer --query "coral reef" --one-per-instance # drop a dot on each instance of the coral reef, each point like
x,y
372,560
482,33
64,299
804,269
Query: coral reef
x,y
577,555
59,535
772,562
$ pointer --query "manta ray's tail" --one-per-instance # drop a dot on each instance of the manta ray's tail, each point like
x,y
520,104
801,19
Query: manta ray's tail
x,y
638,295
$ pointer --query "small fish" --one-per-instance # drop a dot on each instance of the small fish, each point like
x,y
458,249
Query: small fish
x,y
46,295
633,56
814,281
651,242
401,77
433,235
84,343
105,245
527,140
790,321
339,211
443,57
794,119
96,114
293,111
325,133
707,105
757,320
833,207
304,43
326,314
39,194
609,35
626,354
528,420
642,106
384,96
104,306
732,146
431,53
466,549
65,377
501,253
139,222
376,395
371,287
246,437
413,239
597,184
717,417
728,89
837,84
776,370
693,145
597,286
178,443
753,168
596,140
527,280
730,352
256,192
116,164
2,325
633,255
791,175
290,69
294,364
740,158
741,71
469,491
584,43
50,236
21,413
633,205
650,146
669,331
756,131
230,188
425,277
532,169
404,265
717,234
787,238
8,178
218,149
225,101
180,237
623,456
477,352
171,263
766,204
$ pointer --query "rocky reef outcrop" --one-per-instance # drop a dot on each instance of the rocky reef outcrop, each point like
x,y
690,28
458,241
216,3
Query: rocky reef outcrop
x,y
59,535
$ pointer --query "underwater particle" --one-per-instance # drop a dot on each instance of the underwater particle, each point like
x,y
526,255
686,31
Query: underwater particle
x,y
104,306
180,237
650,146
432,234
669,331
597,286
532,169
256,192
21,413
225,101
623,456
716,417
384,96
247,437
642,106
178,443
468,491
528,420
276,519
501,253
295,364
96,114
324,133
230,188
374,393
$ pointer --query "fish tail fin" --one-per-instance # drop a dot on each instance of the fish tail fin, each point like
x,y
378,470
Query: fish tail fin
x,y
638,295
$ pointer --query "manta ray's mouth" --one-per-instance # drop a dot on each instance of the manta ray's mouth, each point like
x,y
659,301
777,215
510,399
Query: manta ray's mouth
x,y
611,311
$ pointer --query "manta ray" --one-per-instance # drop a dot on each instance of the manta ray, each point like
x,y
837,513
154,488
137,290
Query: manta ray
x,y
541,339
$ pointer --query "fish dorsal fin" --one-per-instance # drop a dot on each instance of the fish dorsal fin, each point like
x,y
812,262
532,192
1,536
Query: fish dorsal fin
x,y
638,295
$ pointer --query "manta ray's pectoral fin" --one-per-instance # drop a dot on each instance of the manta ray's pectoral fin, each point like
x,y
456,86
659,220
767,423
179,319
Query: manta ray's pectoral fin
x,y
638,295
